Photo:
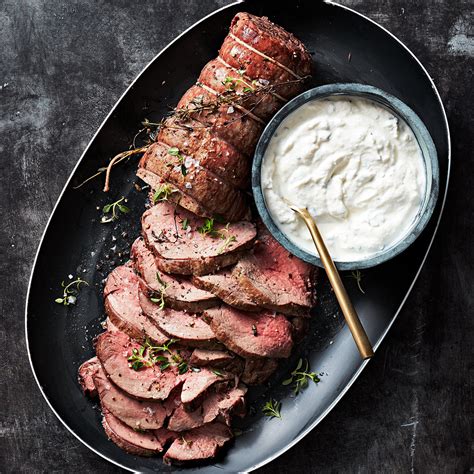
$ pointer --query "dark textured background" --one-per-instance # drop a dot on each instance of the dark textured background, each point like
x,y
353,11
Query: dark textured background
x,y
63,65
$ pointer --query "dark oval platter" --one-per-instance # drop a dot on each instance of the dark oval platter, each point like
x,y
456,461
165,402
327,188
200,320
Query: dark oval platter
x,y
346,47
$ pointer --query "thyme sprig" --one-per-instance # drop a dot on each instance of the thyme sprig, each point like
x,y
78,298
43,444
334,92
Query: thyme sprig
x,y
272,409
300,377
149,355
113,210
163,193
357,275
208,228
70,291
160,300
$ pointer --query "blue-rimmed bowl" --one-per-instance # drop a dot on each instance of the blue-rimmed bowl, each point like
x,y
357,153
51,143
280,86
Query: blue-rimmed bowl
x,y
402,111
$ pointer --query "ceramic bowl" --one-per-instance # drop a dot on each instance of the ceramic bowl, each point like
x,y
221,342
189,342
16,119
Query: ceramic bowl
x,y
402,111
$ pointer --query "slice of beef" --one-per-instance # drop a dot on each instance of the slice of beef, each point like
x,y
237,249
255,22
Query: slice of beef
x,y
175,195
179,293
199,444
196,383
225,285
189,328
186,174
165,436
275,279
123,306
273,41
109,326
251,335
217,404
235,87
148,383
213,358
132,441
258,371
86,376
138,414
188,251
300,328
234,126
211,151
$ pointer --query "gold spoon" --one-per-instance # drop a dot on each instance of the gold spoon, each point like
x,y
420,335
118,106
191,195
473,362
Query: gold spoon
x,y
352,320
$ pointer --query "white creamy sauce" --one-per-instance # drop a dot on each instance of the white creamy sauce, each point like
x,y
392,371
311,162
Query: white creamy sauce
x,y
355,166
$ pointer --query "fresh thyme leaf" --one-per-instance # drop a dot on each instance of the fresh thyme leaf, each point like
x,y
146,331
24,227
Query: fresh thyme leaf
x,y
173,151
207,228
226,244
112,210
70,291
357,275
216,372
162,193
182,367
272,409
164,366
300,377
185,224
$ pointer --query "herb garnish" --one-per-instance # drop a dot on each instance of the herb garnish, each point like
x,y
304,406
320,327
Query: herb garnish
x,y
216,372
182,367
114,208
300,378
160,300
184,224
148,355
173,151
357,275
227,242
208,229
162,193
272,409
70,292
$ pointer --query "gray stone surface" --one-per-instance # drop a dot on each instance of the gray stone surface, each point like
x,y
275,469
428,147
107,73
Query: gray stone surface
x,y
62,67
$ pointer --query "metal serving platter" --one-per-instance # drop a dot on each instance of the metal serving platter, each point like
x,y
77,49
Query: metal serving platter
x,y
346,47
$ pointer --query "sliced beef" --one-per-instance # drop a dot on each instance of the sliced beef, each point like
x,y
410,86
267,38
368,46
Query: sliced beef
x,y
225,285
238,89
189,328
273,41
213,358
234,126
148,383
132,441
86,376
258,371
300,328
251,334
211,151
187,251
196,383
275,279
123,307
138,414
218,404
199,444
186,174
179,293
175,196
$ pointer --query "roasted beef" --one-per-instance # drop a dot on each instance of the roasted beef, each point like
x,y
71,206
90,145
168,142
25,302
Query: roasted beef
x,y
196,383
86,376
188,251
138,414
251,335
123,307
148,383
199,444
225,284
189,328
178,292
185,173
132,441
275,279
260,65
258,371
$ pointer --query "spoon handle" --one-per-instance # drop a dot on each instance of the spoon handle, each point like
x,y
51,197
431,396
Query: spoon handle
x,y
352,319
